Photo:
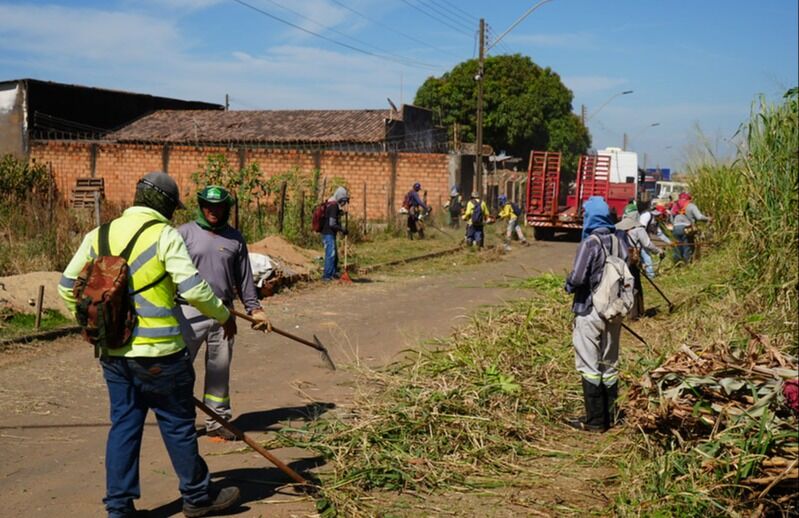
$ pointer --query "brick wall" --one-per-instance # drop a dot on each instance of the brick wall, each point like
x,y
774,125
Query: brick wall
x,y
387,177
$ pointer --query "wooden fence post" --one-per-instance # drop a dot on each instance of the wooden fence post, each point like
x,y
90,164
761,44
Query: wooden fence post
x,y
364,208
39,304
302,212
281,210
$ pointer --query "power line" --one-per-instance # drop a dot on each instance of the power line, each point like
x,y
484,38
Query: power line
x,y
434,17
470,16
321,36
492,38
469,19
434,8
336,31
392,29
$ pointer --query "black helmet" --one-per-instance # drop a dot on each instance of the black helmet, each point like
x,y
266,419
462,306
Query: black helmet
x,y
417,186
158,191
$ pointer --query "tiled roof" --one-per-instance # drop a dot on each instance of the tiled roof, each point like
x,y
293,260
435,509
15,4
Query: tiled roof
x,y
263,126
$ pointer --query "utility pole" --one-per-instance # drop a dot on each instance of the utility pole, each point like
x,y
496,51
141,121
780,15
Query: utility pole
x,y
624,145
582,113
227,102
478,158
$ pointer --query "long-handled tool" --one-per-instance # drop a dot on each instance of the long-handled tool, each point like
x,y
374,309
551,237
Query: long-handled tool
x,y
316,344
671,306
640,339
296,477
345,277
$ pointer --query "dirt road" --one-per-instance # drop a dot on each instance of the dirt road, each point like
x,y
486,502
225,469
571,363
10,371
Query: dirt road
x,y
55,410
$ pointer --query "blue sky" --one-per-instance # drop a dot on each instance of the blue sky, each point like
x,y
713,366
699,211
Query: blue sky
x,y
690,64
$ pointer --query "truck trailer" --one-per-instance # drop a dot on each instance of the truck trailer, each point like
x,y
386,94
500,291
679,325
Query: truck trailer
x,y
547,211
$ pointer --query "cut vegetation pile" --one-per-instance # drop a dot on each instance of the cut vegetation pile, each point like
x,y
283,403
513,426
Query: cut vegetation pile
x,y
728,405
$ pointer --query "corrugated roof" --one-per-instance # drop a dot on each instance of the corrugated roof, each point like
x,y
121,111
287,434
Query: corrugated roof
x,y
263,126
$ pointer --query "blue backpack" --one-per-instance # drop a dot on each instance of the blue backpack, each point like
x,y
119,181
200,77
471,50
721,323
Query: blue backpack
x,y
516,209
477,213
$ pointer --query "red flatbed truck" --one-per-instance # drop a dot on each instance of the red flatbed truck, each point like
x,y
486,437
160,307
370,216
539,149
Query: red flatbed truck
x,y
545,213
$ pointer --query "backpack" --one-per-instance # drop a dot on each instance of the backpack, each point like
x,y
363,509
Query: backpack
x,y
477,213
613,297
105,310
516,209
455,204
318,216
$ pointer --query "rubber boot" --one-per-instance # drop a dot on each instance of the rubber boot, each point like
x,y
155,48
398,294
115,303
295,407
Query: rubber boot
x,y
594,419
609,395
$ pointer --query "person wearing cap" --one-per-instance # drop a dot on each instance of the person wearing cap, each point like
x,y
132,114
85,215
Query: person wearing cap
x,y
475,215
685,216
220,254
651,220
331,226
511,212
455,206
415,207
638,244
153,370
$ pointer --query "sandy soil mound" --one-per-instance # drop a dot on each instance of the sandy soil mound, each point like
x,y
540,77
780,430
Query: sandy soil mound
x,y
18,290
300,260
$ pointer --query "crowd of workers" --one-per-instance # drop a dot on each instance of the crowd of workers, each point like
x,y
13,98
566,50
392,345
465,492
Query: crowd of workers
x,y
182,284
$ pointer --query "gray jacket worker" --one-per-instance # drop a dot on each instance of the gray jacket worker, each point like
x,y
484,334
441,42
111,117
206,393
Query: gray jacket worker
x,y
220,254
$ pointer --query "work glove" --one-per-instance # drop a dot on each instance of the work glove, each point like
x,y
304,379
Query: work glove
x,y
229,327
263,323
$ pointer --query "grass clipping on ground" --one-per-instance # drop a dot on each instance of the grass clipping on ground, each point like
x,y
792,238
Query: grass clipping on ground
x,y
481,414
473,414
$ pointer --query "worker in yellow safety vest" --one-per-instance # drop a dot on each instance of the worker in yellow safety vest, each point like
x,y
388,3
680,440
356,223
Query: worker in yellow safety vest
x,y
153,368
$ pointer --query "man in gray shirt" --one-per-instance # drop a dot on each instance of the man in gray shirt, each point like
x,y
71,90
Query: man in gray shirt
x,y
220,254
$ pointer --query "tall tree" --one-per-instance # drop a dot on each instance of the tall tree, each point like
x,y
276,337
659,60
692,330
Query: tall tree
x,y
525,107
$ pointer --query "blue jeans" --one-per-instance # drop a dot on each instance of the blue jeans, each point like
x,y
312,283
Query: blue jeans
x,y
683,251
649,266
474,234
134,386
331,257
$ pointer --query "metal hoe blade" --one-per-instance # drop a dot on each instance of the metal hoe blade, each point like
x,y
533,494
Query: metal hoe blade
x,y
325,355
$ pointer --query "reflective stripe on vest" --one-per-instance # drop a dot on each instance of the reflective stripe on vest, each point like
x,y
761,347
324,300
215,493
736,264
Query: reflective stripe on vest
x,y
156,324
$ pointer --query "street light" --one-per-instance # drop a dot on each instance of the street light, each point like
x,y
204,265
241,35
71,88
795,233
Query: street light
x,y
638,134
479,78
586,119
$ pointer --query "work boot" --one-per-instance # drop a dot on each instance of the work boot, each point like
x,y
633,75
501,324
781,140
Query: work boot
x,y
224,499
222,433
609,395
594,419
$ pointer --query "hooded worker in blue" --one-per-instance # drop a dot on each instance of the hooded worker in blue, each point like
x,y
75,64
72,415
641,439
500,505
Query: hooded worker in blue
x,y
595,339
220,254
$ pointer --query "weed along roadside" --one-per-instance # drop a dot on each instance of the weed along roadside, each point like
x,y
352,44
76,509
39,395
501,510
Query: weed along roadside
x,y
477,421
474,424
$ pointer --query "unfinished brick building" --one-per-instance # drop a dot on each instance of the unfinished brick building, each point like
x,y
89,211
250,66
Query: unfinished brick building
x,y
377,152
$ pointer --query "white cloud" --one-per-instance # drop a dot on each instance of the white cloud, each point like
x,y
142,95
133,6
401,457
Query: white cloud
x,y
178,5
84,34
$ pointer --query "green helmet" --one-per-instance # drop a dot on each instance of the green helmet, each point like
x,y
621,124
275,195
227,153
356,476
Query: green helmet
x,y
215,194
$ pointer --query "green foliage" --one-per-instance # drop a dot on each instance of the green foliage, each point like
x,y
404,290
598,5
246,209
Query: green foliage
x,y
755,201
525,107
18,178
14,324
